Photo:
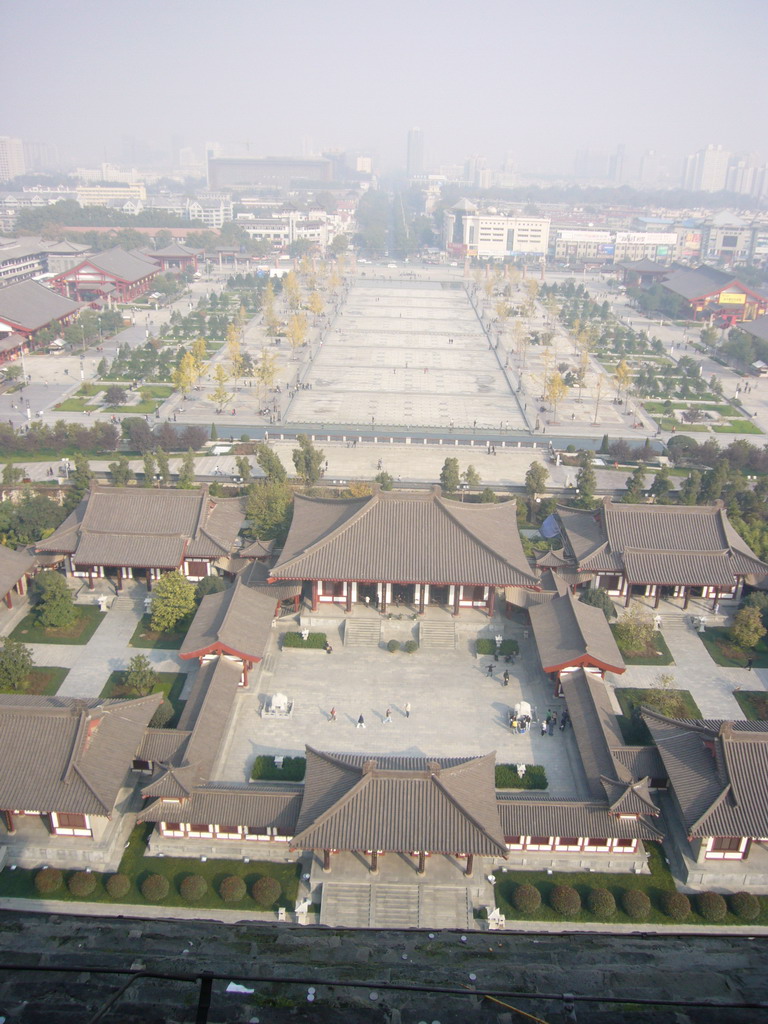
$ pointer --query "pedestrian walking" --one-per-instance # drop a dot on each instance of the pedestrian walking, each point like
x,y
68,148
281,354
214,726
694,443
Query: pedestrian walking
x,y
543,727
407,710
750,663
387,717
490,668
361,722
506,677
552,723
332,714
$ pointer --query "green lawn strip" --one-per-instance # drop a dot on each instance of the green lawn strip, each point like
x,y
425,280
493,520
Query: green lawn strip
x,y
156,391
721,410
145,637
724,652
80,632
73,405
668,423
737,427
657,654
675,703
43,681
754,704
658,882
170,684
132,410
20,883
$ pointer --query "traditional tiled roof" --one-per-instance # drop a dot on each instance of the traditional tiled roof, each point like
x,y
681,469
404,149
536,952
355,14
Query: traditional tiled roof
x,y
147,527
757,328
67,755
718,772
354,802
569,632
162,745
521,815
13,565
118,263
402,537
29,306
238,620
695,284
259,805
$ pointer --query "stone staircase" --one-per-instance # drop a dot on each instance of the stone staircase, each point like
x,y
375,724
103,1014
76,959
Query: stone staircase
x,y
362,632
382,905
437,634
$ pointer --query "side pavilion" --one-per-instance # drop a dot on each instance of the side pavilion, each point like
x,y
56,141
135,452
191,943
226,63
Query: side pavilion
x,y
404,548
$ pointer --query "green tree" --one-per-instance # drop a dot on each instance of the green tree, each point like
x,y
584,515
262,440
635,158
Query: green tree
x,y
635,486
449,476
221,394
488,496
586,481
243,464
691,488
174,598
210,585
269,509
186,479
12,475
599,598
270,462
661,488
149,469
140,678
634,630
163,469
536,480
385,480
471,477
80,478
115,395
121,472
308,461
15,664
54,606
747,628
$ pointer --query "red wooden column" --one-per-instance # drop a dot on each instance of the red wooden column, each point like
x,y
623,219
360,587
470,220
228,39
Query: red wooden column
x,y
456,598
492,601
470,865
9,823
314,595
374,862
422,605
348,602
326,860
422,862
8,600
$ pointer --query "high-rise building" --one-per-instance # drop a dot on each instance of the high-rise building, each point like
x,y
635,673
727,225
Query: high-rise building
x,y
415,155
11,158
707,170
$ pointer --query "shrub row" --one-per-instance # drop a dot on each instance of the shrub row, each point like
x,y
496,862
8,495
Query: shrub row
x,y
636,904
410,646
292,771
507,777
486,645
315,641
265,891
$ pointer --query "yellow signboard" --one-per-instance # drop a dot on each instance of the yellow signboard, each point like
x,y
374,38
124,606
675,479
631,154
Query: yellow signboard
x,y
732,298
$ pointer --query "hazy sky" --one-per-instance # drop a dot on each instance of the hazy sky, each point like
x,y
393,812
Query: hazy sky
x,y
534,79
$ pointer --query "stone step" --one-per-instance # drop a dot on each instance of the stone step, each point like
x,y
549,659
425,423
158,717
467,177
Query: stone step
x,y
437,634
395,906
345,906
362,632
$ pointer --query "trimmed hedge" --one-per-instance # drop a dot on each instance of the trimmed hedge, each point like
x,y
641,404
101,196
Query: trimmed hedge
x,y
711,906
162,715
535,777
393,645
526,899
744,905
636,904
410,647
193,887
232,889
486,645
314,642
155,888
118,886
48,880
675,905
292,771
565,900
601,903
82,884
266,891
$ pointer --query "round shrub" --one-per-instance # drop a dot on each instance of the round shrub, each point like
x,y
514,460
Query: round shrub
x,y
81,884
744,905
601,903
48,880
526,899
232,889
711,906
410,646
393,645
193,887
675,905
565,900
636,904
163,714
118,886
155,888
266,891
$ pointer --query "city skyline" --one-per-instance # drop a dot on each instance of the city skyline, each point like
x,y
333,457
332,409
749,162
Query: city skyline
x,y
476,80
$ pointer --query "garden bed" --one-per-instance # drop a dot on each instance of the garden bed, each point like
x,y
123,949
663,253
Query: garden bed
x,y
723,651
151,639
534,777
170,684
668,701
314,642
43,681
486,646
293,769
754,704
657,653
29,631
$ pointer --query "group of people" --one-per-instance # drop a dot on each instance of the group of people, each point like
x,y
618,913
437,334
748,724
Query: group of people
x,y
360,724
549,723
519,723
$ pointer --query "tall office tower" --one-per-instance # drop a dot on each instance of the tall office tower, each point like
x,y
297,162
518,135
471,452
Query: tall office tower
x,y
616,165
415,156
707,170
650,168
11,158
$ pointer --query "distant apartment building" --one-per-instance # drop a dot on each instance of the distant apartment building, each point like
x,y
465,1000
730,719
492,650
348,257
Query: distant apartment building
x,y
212,212
415,153
613,246
12,162
715,169
266,172
103,195
727,239
21,259
467,232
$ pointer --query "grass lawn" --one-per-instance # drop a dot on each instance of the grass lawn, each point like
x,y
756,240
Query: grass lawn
x,y
147,406
676,703
156,391
723,651
653,885
143,636
20,883
170,684
44,681
656,654
737,427
80,632
73,405
754,704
